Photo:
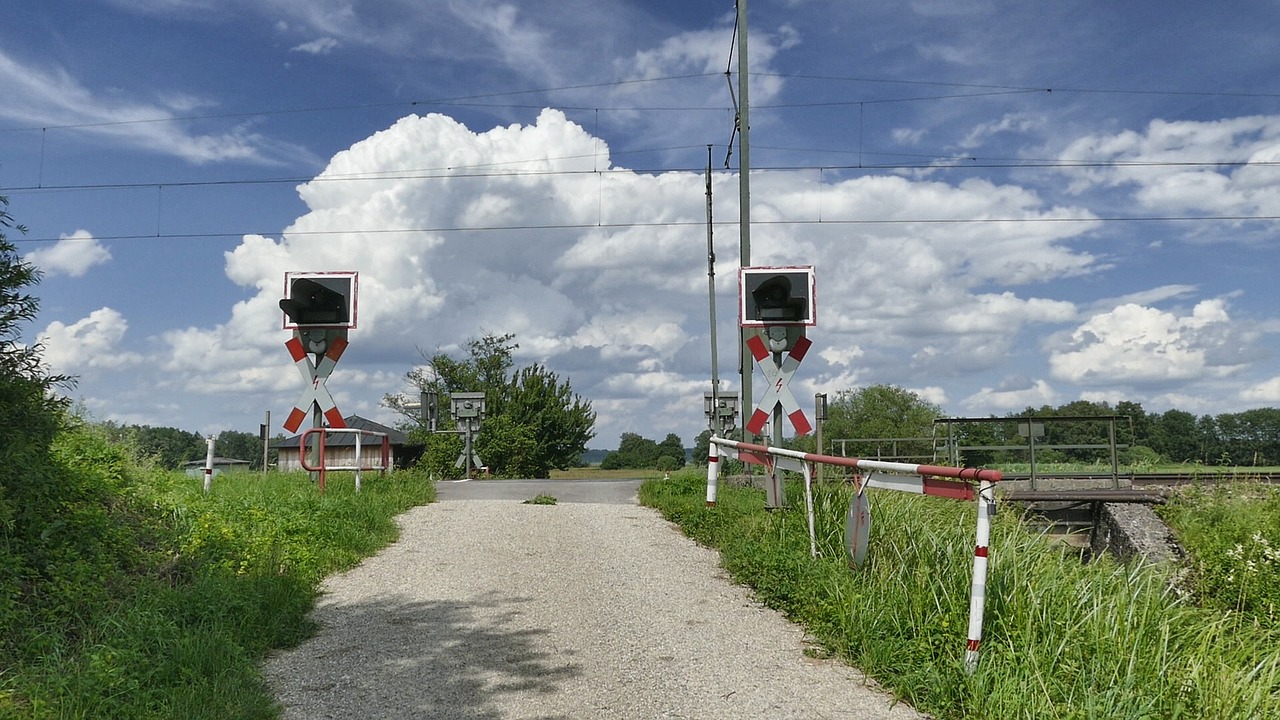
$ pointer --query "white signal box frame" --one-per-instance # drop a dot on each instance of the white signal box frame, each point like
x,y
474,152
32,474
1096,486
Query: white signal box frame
x,y
802,281
345,283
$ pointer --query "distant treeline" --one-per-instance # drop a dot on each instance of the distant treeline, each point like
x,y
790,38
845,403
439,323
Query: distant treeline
x,y
170,447
637,452
1250,438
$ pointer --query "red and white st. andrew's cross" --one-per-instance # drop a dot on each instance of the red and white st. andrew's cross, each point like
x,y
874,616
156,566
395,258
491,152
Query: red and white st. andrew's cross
x,y
779,393
315,375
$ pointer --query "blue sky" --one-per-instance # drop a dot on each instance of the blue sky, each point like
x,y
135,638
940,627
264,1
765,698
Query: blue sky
x,y
1007,204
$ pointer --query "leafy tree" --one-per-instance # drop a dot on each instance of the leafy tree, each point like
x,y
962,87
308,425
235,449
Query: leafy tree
x,y
1141,425
546,424
240,446
1210,449
1251,437
637,452
882,411
170,447
440,452
506,444
673,447
634,451
978,435
702,448
1075,432
34,502
559,421
29,412
1173,435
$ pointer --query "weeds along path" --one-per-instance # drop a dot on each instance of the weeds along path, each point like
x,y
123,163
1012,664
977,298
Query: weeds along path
x,y
489,609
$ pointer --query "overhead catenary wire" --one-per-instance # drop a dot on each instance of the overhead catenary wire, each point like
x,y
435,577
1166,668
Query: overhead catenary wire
x,y
445,229
925,162
472,100
929,162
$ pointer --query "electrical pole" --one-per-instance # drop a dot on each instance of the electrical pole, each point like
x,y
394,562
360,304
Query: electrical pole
x,y
744,199
711,298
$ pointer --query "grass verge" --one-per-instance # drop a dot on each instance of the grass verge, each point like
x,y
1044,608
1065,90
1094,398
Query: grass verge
x,y
1062,639
197,590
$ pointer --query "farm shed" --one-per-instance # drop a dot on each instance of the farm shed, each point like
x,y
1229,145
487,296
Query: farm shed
x,y
195,468
340,448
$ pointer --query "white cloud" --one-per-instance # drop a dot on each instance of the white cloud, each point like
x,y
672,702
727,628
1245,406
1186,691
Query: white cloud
x,y
41,97
1146,297
1017,123
845,356
90,343
1263,392
1136,344
931,393
1012,396
1185,166
908,136
72,255
319,46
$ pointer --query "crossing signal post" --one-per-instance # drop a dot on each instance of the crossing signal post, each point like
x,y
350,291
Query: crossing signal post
x,y
320,309
467,409
778,303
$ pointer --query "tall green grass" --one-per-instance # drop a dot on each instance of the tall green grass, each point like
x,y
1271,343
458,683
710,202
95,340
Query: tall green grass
x,y
1063,639
1232,533
161,601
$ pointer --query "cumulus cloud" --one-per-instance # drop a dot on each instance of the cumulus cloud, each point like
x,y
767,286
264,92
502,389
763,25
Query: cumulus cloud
x,y
88,344
1133,344
1186,166
1017,123
72,255
600,271
1263,392
1013,394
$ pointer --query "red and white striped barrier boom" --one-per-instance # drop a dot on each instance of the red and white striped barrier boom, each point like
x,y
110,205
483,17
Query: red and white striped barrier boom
x,y
937,480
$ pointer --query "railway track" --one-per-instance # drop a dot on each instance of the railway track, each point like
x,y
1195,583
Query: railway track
x,y
1149,479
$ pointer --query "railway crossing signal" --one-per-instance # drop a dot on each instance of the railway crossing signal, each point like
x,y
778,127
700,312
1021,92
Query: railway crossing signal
x,y
320,307
776,296
319,300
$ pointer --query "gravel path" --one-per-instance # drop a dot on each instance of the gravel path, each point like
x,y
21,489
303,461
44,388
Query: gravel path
x,y
492,609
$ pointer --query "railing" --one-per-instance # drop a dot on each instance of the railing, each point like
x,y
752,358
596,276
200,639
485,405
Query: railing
x,y
322,466
951,482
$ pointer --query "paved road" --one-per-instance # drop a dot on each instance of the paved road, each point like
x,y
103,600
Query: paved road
x,y
491,609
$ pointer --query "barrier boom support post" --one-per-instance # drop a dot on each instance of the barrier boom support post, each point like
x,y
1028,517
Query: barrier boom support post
x,y
321,467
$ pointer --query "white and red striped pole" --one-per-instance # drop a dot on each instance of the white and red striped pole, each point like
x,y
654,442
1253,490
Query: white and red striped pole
x,y
208,463
978,593
713,474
